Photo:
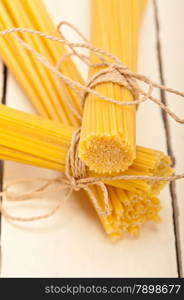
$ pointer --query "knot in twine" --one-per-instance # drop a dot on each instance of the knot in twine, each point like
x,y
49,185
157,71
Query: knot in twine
x,y
111,70
115,73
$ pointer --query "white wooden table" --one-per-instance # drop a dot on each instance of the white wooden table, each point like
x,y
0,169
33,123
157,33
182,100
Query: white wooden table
x,y
72,243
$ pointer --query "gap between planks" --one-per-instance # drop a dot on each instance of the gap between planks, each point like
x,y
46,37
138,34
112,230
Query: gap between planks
x,y
3,101
172,185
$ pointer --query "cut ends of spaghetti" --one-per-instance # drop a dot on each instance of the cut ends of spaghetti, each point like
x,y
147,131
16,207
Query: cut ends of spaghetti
x,y
106,154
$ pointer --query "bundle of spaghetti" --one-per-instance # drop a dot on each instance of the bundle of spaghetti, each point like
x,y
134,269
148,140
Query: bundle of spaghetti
x,y
107,141
129,212
40,142
134,210
34,14
148,162
45,143
40,86
34,140
37,15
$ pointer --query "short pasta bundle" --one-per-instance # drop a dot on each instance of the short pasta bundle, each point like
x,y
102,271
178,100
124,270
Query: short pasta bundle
x,y
107,144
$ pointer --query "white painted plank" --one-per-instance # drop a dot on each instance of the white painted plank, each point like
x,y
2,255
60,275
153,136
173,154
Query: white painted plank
x,y
172,24
72,242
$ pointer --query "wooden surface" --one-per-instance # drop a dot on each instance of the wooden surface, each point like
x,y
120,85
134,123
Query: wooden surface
x,y
1,98
72,242
3,77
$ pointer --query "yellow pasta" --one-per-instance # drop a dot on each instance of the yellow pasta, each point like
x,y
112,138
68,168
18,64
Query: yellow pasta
x,y
129,210
40,142
45,143
132,210
40,86
21,64
107,141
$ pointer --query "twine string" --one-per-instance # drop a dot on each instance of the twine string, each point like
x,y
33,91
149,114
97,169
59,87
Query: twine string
x,y
74,179
127,77
112,70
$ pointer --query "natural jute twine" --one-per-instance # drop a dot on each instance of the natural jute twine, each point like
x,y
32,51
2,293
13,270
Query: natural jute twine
x,y
112,70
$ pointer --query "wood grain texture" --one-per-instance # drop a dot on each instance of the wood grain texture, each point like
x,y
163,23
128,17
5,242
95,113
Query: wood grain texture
x,y
3,84
169,144
173,65
72,242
